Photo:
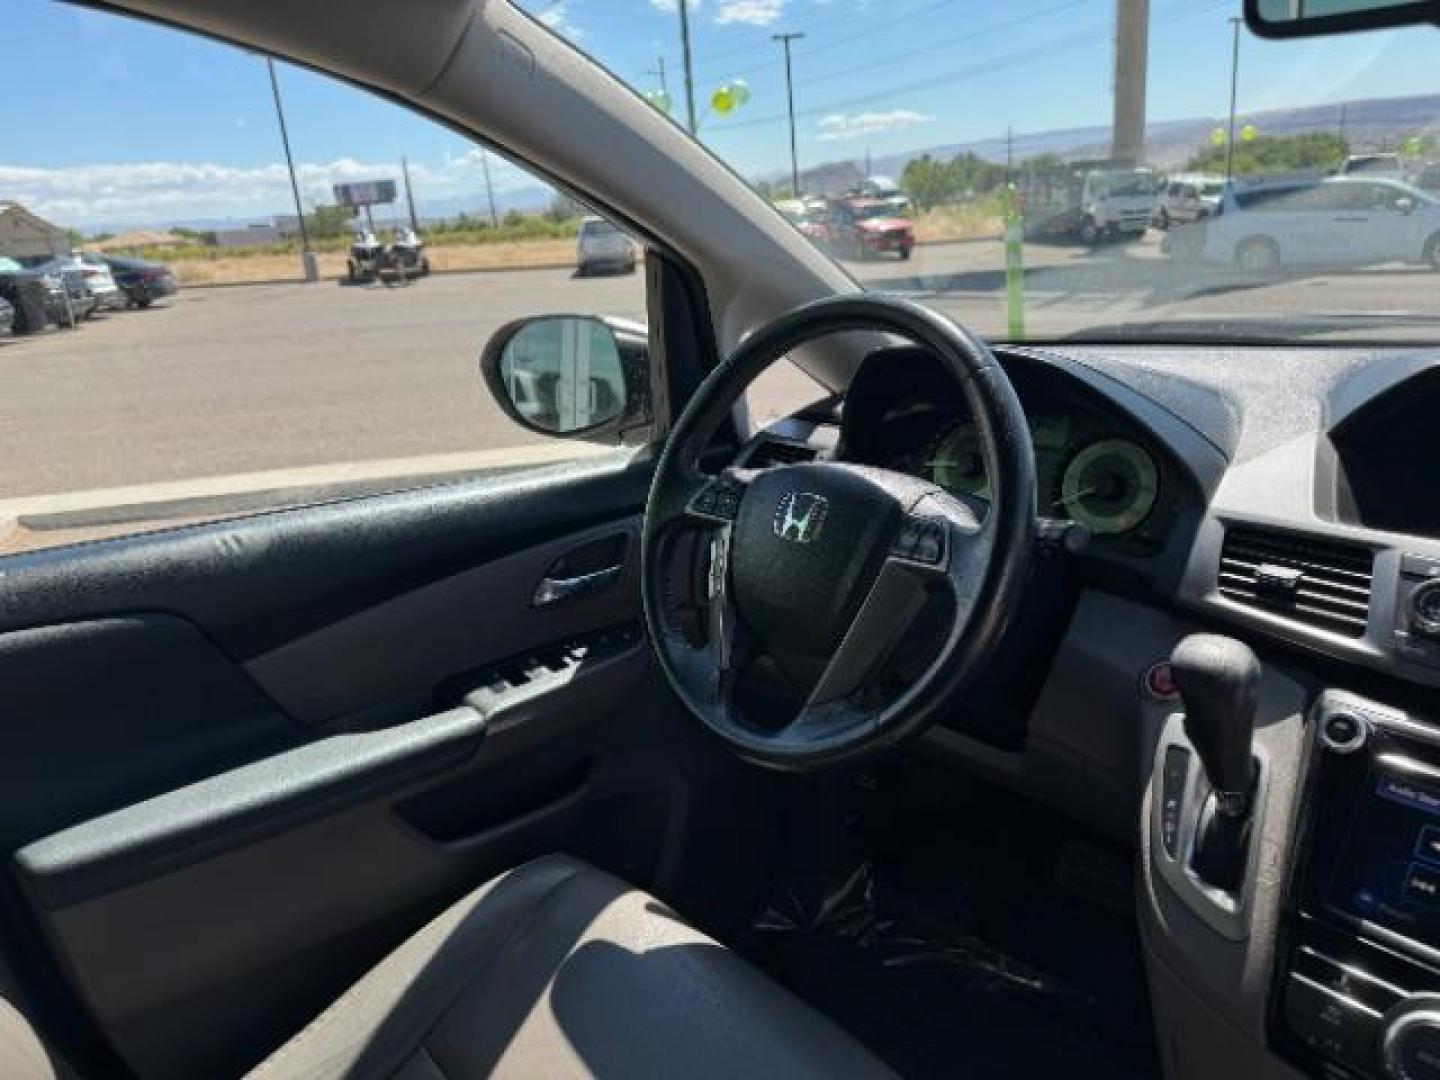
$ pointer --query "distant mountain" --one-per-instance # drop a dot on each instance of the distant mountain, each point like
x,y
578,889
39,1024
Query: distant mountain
x,y
1370,124
429,211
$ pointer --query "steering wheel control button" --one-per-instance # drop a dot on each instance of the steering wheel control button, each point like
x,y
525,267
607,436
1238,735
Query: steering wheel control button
x,y
719,501
1410,1046
1330,1023
1343,732
920,541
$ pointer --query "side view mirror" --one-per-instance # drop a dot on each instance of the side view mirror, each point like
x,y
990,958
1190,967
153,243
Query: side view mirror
x,y
571,376
1304,18
1404,204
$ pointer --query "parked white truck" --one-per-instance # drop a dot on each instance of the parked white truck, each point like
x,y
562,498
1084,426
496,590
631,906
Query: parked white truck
x,y
1089,201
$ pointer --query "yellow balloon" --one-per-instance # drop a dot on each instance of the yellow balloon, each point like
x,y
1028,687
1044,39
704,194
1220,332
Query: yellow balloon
x,y
723,100
1218,136
740,91
1248,133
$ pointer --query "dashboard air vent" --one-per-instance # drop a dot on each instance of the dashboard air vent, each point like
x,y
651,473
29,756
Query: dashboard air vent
x,y
772,452
1323,583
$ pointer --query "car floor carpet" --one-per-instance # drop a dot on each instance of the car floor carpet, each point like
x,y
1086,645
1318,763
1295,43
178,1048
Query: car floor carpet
x,y
991,938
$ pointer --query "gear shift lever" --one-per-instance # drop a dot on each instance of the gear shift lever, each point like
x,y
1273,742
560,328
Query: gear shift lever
x,y
1219,681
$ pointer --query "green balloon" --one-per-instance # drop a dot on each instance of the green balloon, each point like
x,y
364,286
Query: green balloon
x,y
723,100
1248,133
740,91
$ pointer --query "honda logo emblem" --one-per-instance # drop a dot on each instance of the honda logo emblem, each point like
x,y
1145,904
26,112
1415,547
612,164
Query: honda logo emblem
x,y
800,515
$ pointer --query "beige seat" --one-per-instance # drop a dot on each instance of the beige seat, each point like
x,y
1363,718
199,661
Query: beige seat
x,y
552,970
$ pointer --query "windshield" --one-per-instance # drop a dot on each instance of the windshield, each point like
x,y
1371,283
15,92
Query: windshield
x,y
881,210
991,118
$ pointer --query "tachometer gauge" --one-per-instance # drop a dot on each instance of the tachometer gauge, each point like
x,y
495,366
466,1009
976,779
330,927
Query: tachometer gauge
x,y
956,463
1109,487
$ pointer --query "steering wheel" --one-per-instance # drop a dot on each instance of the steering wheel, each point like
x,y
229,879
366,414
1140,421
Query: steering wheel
x,y
826,567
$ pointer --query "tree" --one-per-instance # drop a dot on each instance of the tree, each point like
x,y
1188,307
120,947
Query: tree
x,y
512,218
328,222
928,181
196,236
1315,150
562,208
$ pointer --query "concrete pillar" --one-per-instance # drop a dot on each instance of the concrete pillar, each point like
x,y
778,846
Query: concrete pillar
x,y
1132,41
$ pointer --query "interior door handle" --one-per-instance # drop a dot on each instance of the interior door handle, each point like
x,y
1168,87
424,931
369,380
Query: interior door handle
x,y
552,590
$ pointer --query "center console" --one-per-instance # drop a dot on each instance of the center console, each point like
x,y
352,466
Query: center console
x,y
1357,965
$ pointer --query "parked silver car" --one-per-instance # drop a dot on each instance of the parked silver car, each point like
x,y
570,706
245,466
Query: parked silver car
x,y
1184,199
1338,221
93,275
602,244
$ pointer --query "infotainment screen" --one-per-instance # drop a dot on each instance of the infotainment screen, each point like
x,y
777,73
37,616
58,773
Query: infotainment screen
x,y
1388,872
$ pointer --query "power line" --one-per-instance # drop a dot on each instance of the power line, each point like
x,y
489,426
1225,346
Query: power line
x,y
944,43
887,19
1079,38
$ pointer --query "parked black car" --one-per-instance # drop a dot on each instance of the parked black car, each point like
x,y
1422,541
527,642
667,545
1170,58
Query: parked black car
x,y
84,301
142,281
38,299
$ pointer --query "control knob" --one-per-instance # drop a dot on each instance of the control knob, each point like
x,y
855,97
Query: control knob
x,y
1410,1044
1425,610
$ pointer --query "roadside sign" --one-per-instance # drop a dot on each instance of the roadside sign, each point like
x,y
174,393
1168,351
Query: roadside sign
x,y
365,193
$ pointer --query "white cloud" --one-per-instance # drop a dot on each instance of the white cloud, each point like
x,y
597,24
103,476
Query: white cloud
x,y
160,191
557,18
751,12
842,126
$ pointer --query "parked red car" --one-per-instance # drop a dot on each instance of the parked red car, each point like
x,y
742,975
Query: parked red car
x,y
859,228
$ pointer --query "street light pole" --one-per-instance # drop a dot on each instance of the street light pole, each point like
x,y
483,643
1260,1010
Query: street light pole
x,y
289,160
684,6
785,40
1234,83
489,188
409,193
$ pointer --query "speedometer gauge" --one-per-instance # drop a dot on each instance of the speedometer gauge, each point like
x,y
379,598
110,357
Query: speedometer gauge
x,y
1109,487
956,463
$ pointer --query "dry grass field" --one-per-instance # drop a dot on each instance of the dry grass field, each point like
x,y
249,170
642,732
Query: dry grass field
x,y
504,255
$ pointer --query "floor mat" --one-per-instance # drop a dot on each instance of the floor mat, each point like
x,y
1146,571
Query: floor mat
x,y
1003,951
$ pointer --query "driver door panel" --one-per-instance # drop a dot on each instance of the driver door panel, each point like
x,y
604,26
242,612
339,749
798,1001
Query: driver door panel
x,y
243,759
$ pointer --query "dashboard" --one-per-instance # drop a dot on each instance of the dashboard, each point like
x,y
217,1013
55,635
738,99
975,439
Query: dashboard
x,y
1095,466
1283,496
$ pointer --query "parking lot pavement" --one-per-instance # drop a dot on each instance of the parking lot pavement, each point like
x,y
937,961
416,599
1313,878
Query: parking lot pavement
x,y
229,381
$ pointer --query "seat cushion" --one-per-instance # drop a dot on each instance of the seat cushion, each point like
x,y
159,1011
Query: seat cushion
x,y
558,970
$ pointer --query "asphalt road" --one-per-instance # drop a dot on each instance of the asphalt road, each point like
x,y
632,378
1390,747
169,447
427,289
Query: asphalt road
x,y
218,382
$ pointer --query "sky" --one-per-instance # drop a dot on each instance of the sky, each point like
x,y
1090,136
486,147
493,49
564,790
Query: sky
x,y
139,124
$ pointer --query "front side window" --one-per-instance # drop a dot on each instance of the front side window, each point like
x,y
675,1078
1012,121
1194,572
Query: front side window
x,y
191,344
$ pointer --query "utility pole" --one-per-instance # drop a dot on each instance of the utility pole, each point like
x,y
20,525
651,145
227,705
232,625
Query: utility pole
x,y
1342,126
409,194
659,71
684,6
1234,84
290,164
1132,46
785,40
489,188
1009,150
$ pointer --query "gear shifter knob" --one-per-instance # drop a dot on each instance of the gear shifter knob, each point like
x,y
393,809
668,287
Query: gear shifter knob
x,y
1219,681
